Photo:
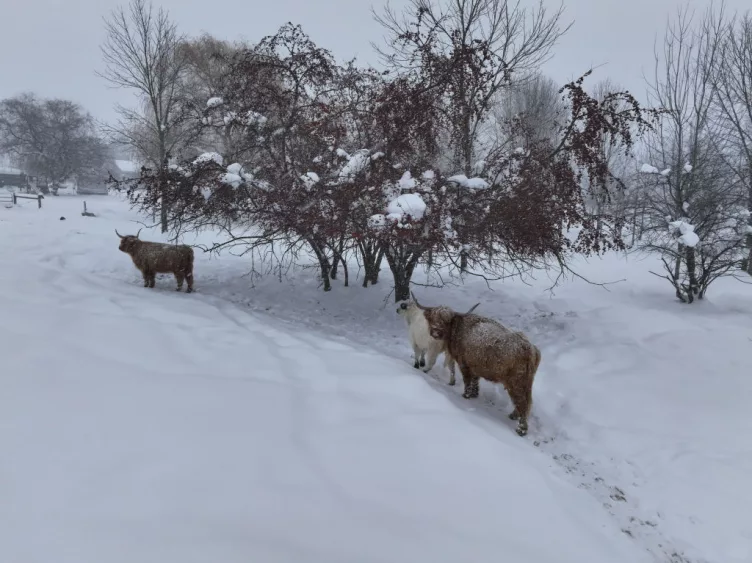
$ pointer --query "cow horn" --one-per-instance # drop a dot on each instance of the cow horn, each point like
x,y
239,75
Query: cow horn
x,y
118,234
472,308
416,301
139,232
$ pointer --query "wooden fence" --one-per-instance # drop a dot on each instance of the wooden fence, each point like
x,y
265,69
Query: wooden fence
x,y
38,197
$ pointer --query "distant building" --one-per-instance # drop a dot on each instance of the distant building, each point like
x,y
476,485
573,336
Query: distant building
x,y
13,178
126,170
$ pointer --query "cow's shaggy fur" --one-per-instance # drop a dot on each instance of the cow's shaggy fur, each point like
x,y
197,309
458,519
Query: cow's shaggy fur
x,y
153,258
485,349
421,339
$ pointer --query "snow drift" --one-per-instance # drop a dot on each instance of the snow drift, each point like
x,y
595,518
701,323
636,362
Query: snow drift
x,y
152,426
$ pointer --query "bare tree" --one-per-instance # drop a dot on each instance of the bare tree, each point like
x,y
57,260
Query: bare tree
x,y
733,83
531,108
52,139
208,61
141,52
611,199
692,203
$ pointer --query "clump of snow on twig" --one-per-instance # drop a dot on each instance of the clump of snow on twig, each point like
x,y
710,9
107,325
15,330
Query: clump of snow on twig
x,y
231,179
407,182
355,165
310,179
214,102
468,183
649,169
209,157
407,204
687,235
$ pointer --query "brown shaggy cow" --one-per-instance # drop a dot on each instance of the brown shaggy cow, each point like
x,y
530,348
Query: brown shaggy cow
x,y
484,348
153,258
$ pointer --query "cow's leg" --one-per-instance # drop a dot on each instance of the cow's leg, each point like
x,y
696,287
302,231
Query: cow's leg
x,y
179,277
433,352
416,355
449,365
472,383
145,274
189,278
520,396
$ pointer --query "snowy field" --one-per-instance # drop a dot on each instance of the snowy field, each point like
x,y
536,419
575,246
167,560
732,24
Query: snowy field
x,y
277,423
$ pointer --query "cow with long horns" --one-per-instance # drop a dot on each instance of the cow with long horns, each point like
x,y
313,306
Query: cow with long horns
x,y
152,258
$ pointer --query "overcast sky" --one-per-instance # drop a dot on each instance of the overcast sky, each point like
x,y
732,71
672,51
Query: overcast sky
x,y
51,47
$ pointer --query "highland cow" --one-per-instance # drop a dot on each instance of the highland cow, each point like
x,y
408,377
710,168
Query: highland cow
x,y
485,349
421,339
153,258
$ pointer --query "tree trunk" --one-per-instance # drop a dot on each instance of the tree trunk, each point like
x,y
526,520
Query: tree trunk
x,y
463,261
164,205
335,263
347,273
372,254
338,251
324,264
402,263
376,267
401,284
677,279
163,214
692,274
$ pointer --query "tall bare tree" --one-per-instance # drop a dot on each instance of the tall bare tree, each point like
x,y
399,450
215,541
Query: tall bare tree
x,y
692,203
733,82
141,52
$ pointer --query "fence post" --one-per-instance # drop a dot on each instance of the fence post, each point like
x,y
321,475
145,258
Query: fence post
x,y
15,201
39,201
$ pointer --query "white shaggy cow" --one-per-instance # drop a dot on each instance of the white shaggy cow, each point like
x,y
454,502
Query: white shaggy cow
x,y
421,339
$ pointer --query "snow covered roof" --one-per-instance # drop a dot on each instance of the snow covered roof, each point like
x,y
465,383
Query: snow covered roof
x,y
128,166
12,171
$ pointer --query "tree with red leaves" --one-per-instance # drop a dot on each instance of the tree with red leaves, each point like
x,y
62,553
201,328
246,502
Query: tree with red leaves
x,y
339,159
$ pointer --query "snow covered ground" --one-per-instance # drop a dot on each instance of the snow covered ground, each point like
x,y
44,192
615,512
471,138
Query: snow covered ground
x,y
279,423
